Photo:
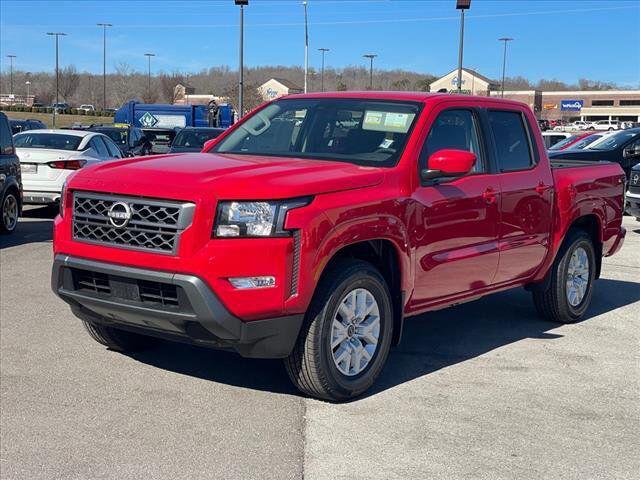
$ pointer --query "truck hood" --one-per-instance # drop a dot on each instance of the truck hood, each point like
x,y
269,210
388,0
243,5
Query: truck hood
x,y
189,176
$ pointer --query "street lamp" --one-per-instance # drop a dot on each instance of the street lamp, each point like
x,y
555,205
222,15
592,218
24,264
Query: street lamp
x,y
504,60
323,50
242,4
149,55
370,56
461,5
306,46
11,57
104,63
57,35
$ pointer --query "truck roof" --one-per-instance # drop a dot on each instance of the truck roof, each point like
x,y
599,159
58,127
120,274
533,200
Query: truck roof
x,y
398,95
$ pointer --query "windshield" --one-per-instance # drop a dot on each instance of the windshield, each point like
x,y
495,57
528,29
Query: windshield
x,y
613,141
364,132
53,141
195,138
118,135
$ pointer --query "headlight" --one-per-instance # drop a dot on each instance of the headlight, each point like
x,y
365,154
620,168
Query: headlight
x,y
254,219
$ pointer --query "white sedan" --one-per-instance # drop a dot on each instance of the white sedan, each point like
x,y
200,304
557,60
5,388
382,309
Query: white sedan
x,y
48,157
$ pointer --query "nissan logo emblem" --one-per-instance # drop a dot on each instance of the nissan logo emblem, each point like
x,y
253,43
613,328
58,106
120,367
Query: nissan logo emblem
x,y
119,214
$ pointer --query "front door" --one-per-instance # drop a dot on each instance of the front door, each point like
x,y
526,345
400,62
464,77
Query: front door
x,y
455,221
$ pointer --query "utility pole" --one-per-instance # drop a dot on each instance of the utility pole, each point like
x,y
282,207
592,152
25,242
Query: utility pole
x,y
242,4
323,50
370,56
104,63
461,5
306,47
504,60
149,55
11,57
57,35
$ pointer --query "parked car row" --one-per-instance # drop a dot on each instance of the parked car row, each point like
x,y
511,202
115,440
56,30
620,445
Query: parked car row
x,y
36,161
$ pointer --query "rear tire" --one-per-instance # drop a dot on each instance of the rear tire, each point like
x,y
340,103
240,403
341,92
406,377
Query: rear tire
x,y
570,288
9,212
343,344
119,340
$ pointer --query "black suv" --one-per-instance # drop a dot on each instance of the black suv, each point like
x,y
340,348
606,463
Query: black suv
x,y
18,126
10,180
131,140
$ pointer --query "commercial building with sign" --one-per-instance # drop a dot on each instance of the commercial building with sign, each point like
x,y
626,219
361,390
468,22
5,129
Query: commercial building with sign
x,y
623,105
472,83
278,87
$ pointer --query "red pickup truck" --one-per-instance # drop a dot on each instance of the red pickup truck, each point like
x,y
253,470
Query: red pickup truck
x,y
310,230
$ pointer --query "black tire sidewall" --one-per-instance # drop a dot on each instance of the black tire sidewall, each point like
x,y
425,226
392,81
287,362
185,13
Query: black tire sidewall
x,y
370,280
575,313
3,227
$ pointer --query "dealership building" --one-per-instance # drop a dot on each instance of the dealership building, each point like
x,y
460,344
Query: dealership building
x,y
623,105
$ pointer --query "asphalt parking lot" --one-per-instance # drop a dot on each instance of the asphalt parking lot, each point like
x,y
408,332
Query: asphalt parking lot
x,y
482,390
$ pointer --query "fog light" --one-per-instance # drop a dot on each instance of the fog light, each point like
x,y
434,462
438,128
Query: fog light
x,y
253,282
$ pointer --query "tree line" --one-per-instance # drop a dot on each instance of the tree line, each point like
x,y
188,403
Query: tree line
x,y
125,83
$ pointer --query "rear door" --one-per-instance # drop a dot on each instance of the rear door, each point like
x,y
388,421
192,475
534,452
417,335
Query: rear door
x,y
526,194
455,223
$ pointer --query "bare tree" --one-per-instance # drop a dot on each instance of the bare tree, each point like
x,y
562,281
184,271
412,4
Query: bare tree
x,y
168,84
69,82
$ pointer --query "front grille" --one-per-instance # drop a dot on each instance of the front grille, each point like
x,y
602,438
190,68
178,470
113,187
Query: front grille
x,y
93,281
145,292
153,225
634,189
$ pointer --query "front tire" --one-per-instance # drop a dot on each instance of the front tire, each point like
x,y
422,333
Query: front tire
x,y
118,340
346,336
9,212
570,288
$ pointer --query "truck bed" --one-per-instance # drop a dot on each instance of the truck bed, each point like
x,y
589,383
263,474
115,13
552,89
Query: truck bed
x,y
568,163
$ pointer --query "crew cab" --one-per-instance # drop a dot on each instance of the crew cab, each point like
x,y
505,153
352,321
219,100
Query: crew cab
x,y
313,228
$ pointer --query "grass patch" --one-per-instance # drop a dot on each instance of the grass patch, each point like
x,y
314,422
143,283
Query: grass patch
x,y
61,120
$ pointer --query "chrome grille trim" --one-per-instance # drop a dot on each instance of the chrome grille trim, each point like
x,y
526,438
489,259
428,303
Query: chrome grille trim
x,y
155,225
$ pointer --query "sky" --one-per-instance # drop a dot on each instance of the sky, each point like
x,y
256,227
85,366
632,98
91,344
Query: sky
x,y
567,40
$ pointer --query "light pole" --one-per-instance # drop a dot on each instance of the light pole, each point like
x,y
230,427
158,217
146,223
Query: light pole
x,y
57,35
370,56
323,50
306,47
504,60
461,5
149,55
11,57
241,4
104,63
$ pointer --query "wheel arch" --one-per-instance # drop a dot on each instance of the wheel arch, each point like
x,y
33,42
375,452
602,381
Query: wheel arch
x,y
385,255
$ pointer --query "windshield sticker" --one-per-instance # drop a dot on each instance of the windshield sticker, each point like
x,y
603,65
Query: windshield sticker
x,y
387,121
386,143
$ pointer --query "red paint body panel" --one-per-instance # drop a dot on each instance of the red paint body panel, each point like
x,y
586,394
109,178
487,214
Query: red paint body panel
x,y
454,241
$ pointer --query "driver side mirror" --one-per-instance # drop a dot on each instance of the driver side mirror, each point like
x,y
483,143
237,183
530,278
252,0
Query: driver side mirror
x,y
448,163
631,151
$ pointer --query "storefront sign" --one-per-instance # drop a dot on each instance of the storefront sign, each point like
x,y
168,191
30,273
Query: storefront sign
x,y
572,105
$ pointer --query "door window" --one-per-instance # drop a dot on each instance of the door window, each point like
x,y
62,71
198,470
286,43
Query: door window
x,y
454,129
99,146
511,139
6,143
114,152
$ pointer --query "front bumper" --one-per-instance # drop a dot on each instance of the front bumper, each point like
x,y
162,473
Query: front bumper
x,y
169,305
40,198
